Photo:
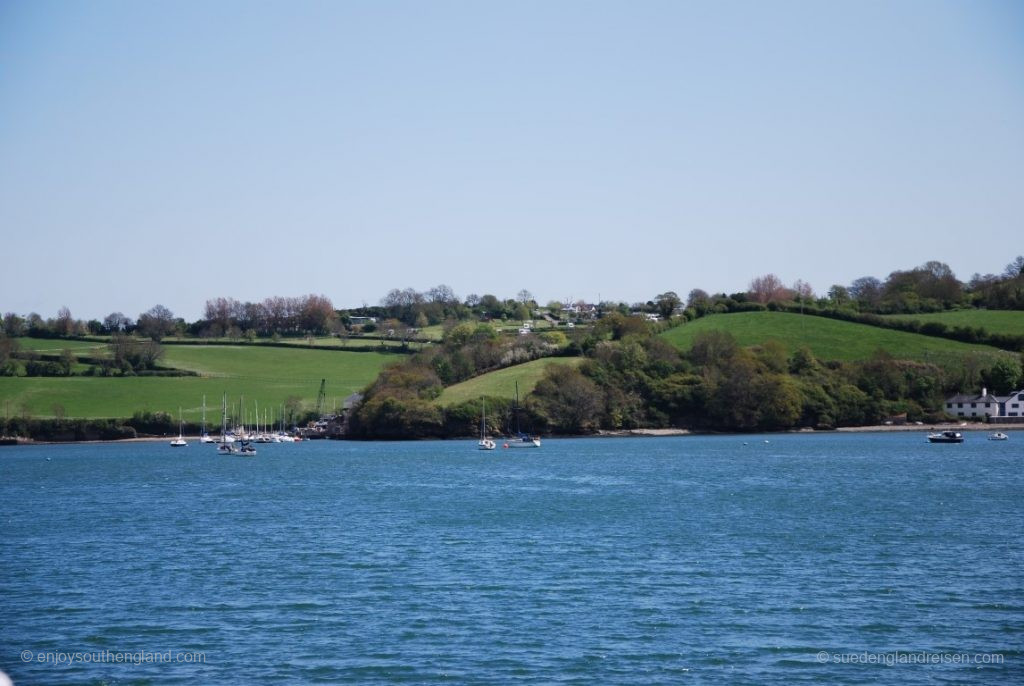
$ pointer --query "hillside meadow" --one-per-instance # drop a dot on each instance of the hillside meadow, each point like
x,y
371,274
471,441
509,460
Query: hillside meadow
x,y
828,339
263,375
1010,322
502,383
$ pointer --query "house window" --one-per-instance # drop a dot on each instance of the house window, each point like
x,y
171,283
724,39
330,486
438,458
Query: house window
x,y
1014,404
959,404
949,406
974,404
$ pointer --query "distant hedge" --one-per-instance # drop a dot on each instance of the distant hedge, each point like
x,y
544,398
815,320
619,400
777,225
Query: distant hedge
x,y
68,429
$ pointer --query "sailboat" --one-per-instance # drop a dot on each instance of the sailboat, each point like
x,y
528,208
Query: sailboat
x,y
179,442
203,436
484,443
521,439
226,445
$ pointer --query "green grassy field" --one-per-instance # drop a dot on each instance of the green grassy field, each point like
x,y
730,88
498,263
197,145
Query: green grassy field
x,y
503,382
828,339
331,342
57,345
265,375
994,321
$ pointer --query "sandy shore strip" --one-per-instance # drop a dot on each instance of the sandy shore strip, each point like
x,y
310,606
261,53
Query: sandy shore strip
x,y
932,428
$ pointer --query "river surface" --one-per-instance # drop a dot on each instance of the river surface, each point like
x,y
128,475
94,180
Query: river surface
x,y
840,559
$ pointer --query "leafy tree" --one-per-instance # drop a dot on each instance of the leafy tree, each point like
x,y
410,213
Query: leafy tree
x,y
65,324
13,325
567,400
442,293
8,348
698,298
156,323
116,321
780,402
838,295
67,360
130,354
317,314
667,303
773,356
732,400
712,348
490,305
867,290
1004,376
1015,268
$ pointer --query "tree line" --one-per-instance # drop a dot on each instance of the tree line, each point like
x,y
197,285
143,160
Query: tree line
x,y
930,287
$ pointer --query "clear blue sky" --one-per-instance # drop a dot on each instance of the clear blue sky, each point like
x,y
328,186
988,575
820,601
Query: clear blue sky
x,y
171,152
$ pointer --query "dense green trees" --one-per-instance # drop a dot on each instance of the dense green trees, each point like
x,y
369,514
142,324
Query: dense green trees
x,y
399,403
721,386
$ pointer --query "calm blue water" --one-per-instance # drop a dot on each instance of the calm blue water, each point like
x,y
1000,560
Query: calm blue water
x,y
630,561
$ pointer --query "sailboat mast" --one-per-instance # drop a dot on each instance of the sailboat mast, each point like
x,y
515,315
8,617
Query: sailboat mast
x,y
519,431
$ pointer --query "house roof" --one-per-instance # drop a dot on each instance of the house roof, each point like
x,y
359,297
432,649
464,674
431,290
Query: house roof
x,y
965,398
987,398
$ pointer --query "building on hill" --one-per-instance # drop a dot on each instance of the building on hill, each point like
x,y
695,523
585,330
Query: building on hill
x,y
986,405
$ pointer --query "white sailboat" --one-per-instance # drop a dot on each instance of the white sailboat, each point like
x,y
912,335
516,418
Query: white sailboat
x,y
521,440
180,441
484,443
226,445
204,437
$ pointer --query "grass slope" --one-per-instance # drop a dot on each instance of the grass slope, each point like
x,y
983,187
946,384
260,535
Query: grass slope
x,y
994,321
265,375
503,382
828,339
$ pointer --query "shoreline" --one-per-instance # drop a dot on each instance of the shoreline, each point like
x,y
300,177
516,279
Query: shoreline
x,y
620,433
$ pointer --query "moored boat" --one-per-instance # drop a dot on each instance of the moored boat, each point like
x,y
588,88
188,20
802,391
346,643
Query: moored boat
x,y
946,437
521,440
998,436
484,443
180,441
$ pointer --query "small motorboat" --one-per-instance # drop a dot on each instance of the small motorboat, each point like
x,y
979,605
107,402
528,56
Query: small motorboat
x,y
998,436
946,437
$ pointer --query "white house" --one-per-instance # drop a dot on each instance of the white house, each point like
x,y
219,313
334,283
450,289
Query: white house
x,y
986,405
1012,405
